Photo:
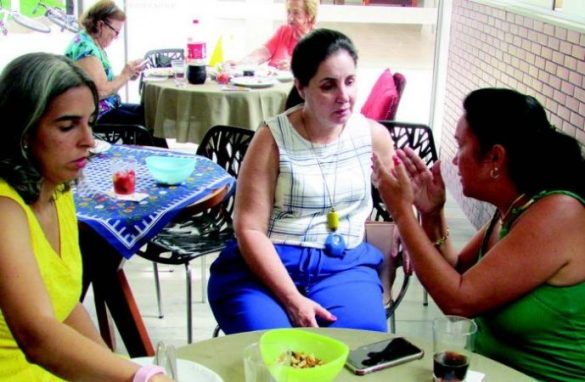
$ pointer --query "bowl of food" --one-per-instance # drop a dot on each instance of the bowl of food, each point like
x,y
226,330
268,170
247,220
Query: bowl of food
x,y
308,356
170,170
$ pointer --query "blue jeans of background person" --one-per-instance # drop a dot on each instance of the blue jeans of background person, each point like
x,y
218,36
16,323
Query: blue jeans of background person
x,y
130,114
126,114
349,287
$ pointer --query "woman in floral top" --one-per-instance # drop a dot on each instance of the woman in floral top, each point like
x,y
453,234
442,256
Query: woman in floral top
x,y
102,23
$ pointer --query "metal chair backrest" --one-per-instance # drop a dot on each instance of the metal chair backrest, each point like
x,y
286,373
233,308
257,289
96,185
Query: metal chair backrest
x,y
226,146
160,58
121,133
419,138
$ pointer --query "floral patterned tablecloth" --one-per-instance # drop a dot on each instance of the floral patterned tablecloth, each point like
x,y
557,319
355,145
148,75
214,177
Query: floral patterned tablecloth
x,y
127,225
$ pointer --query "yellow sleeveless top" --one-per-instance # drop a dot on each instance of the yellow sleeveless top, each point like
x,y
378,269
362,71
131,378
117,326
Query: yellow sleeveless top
x,y
62,278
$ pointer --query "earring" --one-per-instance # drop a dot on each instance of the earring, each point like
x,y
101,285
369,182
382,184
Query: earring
x,y
495,173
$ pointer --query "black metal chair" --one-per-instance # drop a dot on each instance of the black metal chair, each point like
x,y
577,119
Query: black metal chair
x,y
192,237
125,134
419,138
160,58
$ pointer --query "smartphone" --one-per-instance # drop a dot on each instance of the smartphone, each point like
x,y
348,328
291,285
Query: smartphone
x,y
383,354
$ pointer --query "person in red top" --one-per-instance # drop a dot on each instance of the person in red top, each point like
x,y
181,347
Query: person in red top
x,y
277,51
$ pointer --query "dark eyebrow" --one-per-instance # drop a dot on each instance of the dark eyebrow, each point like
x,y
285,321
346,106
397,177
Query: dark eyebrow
x,y
68,118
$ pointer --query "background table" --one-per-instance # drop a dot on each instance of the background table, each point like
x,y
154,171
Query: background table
x,y
224,356
113,230
185,114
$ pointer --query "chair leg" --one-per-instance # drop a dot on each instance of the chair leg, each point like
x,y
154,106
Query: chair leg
x,y
216,331
203,280
393,323
425,298
189,307
157,286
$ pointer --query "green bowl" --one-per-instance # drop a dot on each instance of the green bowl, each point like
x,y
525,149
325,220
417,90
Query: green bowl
x,y
274,343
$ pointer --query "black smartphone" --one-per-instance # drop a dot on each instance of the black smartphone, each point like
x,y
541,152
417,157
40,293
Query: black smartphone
x,y
383,354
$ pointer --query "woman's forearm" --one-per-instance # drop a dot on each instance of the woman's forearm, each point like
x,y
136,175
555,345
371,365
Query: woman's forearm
x,y
262,259
65,352
437,230
112,87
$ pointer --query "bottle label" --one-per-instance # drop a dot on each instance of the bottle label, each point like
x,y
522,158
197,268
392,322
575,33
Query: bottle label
x,y
196,50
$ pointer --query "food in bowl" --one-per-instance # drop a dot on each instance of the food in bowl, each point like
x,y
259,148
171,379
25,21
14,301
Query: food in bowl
x,y
170,170
300,360
330,353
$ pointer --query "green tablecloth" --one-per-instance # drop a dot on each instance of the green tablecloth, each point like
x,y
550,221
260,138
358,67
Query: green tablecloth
x,y
186,114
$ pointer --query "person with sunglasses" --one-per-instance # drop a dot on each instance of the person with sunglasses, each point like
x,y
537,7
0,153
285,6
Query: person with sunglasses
x,y
102,24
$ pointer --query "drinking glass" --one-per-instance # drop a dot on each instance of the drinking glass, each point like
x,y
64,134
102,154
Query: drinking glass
x,y
123,176
257,370
453,347
180,73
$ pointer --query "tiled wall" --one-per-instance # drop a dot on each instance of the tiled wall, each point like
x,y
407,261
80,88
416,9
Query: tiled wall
x,y
491,47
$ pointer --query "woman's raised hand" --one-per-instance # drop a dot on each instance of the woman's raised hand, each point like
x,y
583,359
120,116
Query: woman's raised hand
x,y
134,68
428,186
303,312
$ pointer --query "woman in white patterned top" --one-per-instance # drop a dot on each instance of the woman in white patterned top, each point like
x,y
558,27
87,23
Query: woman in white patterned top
x,y
304,194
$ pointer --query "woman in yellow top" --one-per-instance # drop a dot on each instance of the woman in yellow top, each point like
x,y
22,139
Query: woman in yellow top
x,y
48,105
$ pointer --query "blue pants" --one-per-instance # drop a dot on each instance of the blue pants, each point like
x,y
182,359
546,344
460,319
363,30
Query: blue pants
x,y
126,114
348,287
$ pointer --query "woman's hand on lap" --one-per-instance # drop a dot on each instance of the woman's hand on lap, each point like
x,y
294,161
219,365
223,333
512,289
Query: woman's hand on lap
x,y
304,312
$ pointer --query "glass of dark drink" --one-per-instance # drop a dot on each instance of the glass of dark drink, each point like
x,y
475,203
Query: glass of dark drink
x,y
453,348
449,366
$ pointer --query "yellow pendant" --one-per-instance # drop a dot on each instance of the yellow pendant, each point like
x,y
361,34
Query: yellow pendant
x,y
333,220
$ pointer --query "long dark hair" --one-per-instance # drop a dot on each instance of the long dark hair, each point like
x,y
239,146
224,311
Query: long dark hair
x,y
28,86
314,48
540,157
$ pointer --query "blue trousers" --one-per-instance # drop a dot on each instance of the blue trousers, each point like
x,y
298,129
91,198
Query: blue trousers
x,y
349,287
126,114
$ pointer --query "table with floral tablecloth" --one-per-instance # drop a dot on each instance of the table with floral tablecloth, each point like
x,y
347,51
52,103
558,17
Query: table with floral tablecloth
x,y
127,225
112,230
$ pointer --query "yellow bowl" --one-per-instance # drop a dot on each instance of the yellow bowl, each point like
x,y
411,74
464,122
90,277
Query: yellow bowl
x,y
333,353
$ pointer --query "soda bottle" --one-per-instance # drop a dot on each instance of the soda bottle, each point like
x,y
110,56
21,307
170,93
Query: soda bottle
x,y
196,46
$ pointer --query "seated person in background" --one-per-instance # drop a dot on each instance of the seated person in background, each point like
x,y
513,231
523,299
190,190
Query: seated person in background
x,y
522,276
301,19
102,24
304,194
48,105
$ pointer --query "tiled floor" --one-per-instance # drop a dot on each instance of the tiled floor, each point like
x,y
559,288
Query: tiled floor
x,y
379,47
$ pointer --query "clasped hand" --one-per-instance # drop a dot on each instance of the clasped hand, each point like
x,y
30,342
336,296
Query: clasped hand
x,y
409,182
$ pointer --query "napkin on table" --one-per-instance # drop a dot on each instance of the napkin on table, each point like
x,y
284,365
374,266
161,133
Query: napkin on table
x,y
135,197
474,376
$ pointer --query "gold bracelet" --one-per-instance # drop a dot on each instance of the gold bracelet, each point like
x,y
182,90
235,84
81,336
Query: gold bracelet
x,y
440,241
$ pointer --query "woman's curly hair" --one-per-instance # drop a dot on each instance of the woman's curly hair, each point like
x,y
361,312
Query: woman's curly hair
x,y
28,86
102,10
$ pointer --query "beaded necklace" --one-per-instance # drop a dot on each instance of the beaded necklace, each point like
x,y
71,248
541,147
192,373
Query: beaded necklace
x,y
334,244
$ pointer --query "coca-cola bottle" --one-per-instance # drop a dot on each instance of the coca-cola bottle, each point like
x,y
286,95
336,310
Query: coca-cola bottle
x,y
196,47
196,54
